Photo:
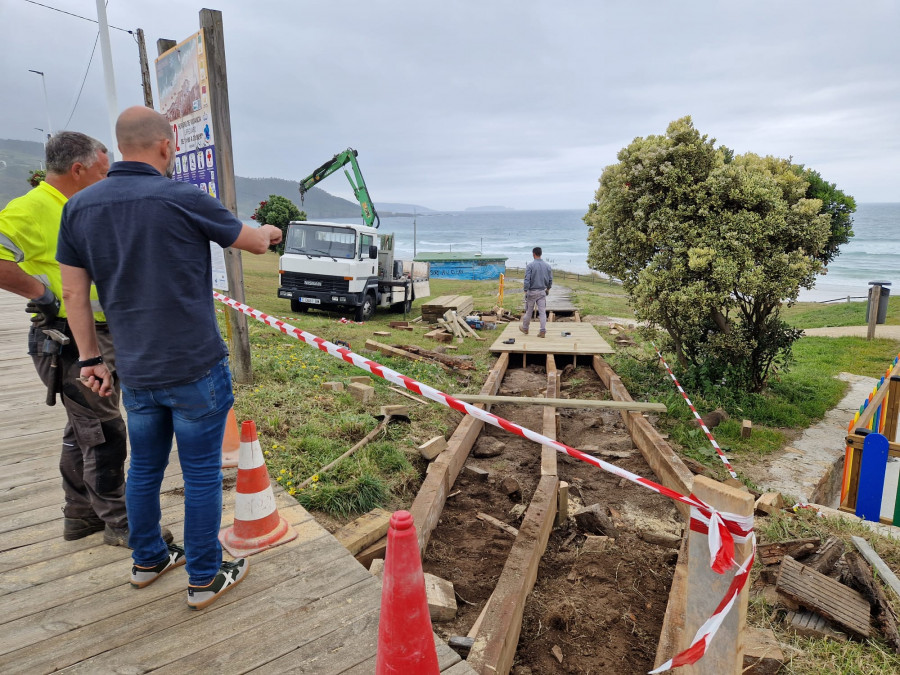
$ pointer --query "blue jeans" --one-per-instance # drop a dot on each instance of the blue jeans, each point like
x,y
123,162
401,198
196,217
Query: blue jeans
x,y
195,412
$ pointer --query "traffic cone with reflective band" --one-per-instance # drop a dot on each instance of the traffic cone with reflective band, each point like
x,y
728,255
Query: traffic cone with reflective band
x,y
405,637
231,444
257,525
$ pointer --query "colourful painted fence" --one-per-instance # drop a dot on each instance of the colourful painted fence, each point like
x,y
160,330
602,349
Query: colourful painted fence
x,y
871,440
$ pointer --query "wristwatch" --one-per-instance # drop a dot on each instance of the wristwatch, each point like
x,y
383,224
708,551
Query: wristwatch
x,y
96,361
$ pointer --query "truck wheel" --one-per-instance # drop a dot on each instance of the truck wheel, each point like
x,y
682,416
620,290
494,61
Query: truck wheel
x,y
403,307
366,310
298,307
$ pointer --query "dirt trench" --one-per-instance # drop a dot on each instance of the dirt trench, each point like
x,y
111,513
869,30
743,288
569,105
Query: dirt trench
x,y
600,611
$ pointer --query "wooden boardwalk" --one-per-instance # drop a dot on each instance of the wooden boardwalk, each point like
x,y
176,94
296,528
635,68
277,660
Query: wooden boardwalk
x,y
307,606
561,338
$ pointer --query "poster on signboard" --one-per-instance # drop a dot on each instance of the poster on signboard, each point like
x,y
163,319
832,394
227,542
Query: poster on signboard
x,y
183,83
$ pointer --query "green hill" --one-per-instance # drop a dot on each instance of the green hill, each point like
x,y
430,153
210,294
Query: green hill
x,y
19,158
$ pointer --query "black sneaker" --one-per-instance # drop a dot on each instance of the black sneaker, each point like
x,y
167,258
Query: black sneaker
x,y
118,536
230,575
78,528
144,576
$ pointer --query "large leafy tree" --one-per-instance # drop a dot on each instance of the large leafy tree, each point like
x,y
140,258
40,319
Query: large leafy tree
x,y
278,211
708,245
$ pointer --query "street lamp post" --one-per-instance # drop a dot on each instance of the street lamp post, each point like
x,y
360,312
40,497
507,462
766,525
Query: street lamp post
x,y
46,103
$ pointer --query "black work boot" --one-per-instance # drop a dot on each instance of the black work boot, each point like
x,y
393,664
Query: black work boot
x,y
78,528
118,536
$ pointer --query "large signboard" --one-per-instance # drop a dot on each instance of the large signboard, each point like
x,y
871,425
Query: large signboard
x,y
183,82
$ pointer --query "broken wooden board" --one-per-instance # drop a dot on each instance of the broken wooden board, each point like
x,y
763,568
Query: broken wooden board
x,y
364,531
875,561
388,350
771,554
858,575
825,596
810,624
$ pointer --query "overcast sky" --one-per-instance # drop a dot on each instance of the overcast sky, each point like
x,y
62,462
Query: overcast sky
x,y
519,103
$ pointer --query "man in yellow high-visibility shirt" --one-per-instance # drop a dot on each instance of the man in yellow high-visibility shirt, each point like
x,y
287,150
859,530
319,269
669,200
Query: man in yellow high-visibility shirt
x,y
94,439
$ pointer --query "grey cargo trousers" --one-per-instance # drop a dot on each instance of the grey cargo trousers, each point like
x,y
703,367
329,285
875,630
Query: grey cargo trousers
x,y
94,444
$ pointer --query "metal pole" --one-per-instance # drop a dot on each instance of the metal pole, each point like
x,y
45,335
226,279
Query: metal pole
x,y
46,100
112,105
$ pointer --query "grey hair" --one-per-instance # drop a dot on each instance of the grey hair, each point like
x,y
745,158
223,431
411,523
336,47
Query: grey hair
x,y
67,148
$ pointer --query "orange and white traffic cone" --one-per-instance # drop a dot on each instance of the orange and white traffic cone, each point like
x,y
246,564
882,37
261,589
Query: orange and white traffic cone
x,y
257,524
405,637
231,443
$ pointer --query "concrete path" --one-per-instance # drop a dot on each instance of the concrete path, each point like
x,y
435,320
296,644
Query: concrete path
x,y
881,331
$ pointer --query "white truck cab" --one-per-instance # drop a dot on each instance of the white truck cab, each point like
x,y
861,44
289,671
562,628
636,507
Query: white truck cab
x,y
336,266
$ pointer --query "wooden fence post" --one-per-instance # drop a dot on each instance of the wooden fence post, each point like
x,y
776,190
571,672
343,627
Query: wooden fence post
x,y
874,302
705,589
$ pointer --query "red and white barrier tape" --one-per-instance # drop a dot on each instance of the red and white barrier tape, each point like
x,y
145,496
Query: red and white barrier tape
x,y
697,415
728,525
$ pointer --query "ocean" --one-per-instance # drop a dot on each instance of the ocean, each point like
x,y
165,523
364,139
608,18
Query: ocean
x,y
872,254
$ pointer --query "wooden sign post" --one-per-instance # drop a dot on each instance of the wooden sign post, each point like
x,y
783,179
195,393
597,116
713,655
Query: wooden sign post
x,y
238,332
201,116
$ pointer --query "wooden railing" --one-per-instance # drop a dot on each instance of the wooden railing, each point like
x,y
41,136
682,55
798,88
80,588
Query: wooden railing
x,y
877,418
593,277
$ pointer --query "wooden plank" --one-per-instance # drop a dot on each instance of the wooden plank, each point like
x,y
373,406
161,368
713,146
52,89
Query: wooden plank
x,y
858,576
674,618
869,412
583,338
495,644
706,588
548,454
364,531
824,596
429,502
885,572
892,412
80,606
772,553
509,529
563,402
122,643
408,395
663,460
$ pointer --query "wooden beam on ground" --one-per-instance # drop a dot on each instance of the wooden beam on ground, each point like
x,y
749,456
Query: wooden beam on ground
x,y
364,531
673,620
664,461
858,575
509,529
429,502
875,561
824,596
563,402
548,454
408,395
495,643
706,588
562,504
387,350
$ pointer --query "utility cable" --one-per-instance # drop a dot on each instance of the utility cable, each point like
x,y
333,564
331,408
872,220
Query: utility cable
x,y
77,16
84,79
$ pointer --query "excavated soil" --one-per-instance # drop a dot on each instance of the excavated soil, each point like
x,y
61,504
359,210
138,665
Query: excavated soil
x,y
598,611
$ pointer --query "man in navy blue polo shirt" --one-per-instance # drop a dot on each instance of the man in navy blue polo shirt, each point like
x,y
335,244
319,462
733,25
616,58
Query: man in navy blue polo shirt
x,y
143,239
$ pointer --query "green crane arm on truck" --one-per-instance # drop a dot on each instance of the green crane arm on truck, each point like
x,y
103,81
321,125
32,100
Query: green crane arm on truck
x,y
340,160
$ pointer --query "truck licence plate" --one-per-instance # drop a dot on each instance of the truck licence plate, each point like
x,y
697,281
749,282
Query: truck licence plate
x,y
311,301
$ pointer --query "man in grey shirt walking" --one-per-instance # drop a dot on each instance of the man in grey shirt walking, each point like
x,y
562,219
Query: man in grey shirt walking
x,y
538,280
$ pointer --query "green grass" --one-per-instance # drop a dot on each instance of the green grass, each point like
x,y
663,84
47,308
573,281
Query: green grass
x,y
311,426
817,315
